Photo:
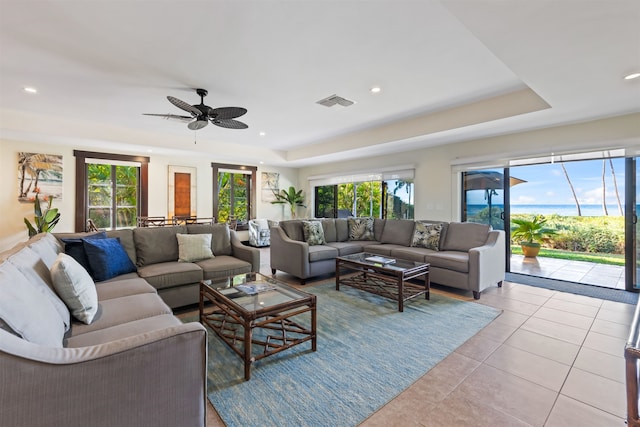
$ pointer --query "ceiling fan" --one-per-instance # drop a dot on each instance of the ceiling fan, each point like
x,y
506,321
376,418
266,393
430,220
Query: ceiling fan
x,y
202,114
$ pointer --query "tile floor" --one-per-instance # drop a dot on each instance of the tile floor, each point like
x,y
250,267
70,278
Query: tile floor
x,y
608,276
550,359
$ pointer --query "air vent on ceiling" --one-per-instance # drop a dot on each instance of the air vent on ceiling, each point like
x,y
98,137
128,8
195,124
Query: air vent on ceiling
x,y
332,100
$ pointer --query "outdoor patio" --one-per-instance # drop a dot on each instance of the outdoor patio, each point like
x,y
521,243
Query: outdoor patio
x,y
609,276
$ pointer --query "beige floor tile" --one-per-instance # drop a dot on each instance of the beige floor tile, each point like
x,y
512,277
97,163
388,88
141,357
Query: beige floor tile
x,y
458,411
619,316
478,347
408,409
605,343
569,412
578,299
509,304
612,329
603,364
555,330
618,306
542,345
537,369
564,318
597,391
497,331
507,393
533,290
572,307
527,297
511,318
436,384
213,419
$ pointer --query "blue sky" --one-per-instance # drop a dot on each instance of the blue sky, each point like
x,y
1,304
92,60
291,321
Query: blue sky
x,y
547,185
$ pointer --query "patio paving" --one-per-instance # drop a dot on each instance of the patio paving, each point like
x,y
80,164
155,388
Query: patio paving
x,y
609,276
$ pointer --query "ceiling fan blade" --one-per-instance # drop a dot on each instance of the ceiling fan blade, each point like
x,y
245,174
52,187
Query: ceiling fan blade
x,y
225,113
229,124
170,116
184,106
197,124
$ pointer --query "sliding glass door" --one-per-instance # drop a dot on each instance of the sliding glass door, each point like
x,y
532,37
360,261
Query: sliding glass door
x,y
632,231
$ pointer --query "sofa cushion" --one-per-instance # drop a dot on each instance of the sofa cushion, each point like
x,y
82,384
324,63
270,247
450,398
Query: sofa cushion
x,y
220,236
410,254
342,230
223,266
397,232
450,260
169,274
194,247
321,252
378,228
427,236
107,258
33,268
360,228
329,229
347,248
293,228
73,247
128,284
462,236
24,309
47,246
156,244
126,240
313,233
76,288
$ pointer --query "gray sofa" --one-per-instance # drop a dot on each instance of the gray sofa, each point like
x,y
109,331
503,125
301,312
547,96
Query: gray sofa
x,y
154,250
469,256
134,364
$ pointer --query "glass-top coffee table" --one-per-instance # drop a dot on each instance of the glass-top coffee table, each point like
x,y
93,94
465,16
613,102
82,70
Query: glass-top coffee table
x,y
255,312
385,276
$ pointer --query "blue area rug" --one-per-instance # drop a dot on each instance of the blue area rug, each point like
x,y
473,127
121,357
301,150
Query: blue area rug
x,y
367,354
593,291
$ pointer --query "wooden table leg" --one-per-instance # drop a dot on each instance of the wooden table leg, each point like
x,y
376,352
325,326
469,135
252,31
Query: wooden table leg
x,y
313,328
337,275
400,294
247,351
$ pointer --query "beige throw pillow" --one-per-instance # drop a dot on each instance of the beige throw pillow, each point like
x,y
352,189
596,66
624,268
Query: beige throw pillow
x,y
75,287
194,247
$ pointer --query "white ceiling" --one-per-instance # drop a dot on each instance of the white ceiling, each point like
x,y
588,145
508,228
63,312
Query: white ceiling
x,y
449,71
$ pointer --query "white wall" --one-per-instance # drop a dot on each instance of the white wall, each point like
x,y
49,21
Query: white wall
x,y
13,229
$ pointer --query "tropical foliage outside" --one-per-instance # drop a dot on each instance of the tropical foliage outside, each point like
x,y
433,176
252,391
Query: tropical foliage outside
x,y
112,195
233,196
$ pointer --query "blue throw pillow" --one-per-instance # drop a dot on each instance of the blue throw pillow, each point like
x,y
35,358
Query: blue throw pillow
x,y
75,249
107,258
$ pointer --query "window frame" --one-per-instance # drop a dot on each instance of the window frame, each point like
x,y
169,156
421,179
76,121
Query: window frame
x,y
81,182
251,191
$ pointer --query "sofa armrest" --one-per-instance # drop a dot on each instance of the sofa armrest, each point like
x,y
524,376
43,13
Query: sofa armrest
x,y
288,255
155,378
245,253
487,263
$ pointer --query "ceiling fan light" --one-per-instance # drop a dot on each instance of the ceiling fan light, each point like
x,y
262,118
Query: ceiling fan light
x,y
197,124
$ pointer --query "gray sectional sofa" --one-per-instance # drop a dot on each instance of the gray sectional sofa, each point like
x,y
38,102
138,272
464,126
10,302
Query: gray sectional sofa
x,y
134,364
467,256
155,252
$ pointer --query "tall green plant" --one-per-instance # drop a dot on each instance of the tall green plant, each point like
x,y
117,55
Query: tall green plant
x,y
291,197
44,220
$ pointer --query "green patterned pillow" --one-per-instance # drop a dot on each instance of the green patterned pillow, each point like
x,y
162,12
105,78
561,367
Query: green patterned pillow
x,y
360,228
427,235
313,233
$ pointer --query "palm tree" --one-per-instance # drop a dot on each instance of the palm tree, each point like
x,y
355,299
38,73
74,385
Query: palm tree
x,y
572,189
615,187
604,189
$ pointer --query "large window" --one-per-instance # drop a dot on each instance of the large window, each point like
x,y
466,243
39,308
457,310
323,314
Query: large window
x,y
378,199
234,192
111,190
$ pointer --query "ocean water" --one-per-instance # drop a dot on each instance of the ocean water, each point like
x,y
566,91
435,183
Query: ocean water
x,y
564,210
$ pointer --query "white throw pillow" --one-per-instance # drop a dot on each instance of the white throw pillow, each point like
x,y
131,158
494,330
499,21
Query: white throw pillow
x,y
194,247
76,288
26,311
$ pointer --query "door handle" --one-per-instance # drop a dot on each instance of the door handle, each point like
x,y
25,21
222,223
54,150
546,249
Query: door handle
x,y
502,215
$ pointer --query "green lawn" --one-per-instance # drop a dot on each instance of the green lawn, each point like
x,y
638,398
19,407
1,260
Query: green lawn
x,y
613,259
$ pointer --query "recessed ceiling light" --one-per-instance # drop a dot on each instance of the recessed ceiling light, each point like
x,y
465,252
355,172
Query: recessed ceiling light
x,y
375,89
30,90
149,150
262,133
632,76
261,162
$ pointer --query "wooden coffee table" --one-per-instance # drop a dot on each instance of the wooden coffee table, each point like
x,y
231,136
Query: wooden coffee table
x,y
262,320
389,280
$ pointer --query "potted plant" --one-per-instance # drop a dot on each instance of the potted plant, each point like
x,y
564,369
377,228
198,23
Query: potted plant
x,y
44,219
531,234
292,197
